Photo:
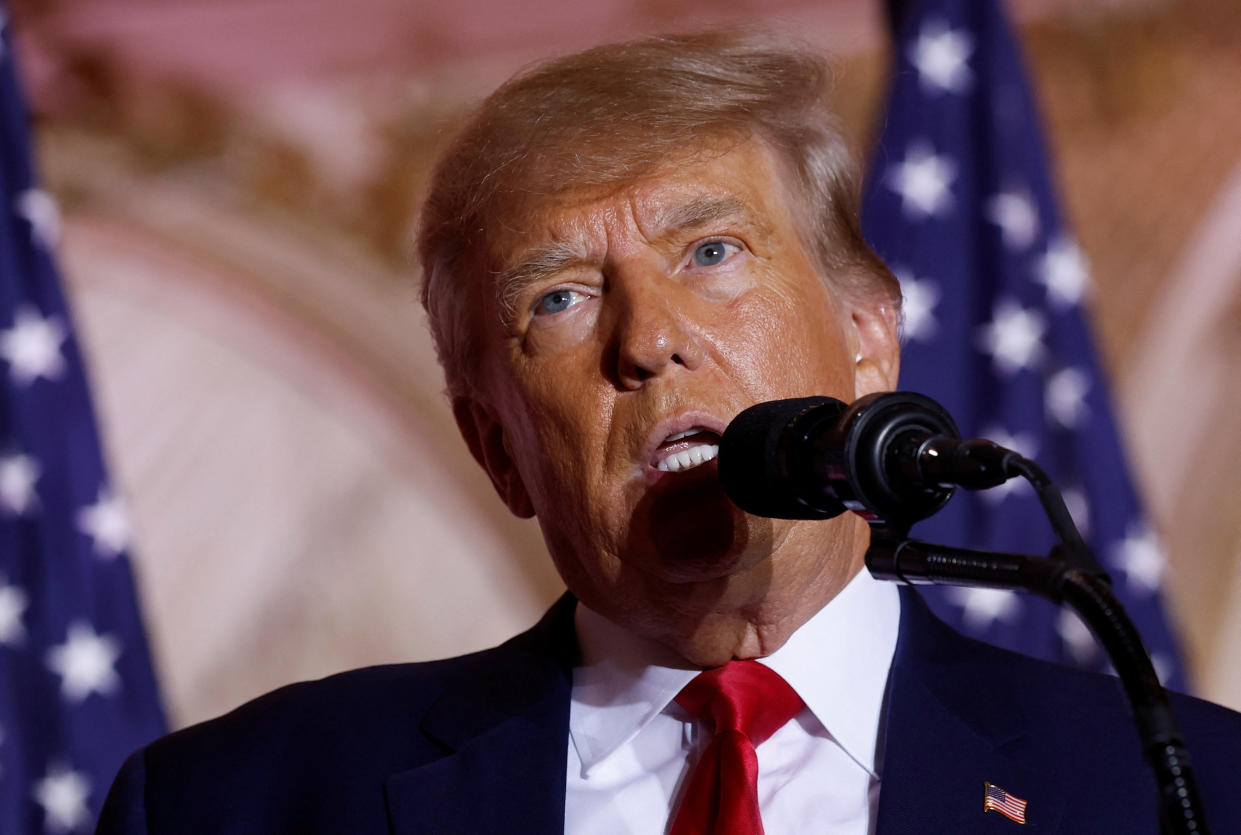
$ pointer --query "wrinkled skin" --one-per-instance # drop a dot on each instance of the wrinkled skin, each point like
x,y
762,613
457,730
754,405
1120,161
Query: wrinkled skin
x,y
620,317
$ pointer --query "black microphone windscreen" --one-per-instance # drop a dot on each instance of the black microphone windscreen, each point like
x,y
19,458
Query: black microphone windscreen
x,y
753,460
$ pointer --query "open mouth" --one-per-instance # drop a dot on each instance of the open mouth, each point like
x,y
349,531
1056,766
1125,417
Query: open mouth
x,y
685,450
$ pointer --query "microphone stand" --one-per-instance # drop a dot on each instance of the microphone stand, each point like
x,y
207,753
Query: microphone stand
x,y
1066,576
895,458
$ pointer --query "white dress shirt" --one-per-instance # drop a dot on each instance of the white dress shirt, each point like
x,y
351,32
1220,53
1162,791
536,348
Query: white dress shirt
x,y
631,746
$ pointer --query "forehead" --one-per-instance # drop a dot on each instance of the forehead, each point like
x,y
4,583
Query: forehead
x,y
740,182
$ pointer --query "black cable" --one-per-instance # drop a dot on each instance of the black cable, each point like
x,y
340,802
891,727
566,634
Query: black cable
x,y
1079,554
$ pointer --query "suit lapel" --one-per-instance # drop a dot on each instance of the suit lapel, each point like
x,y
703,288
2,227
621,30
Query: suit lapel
x,y
504,727
951,725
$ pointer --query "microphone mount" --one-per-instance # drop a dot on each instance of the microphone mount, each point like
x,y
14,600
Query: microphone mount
x,y
881,438
891,556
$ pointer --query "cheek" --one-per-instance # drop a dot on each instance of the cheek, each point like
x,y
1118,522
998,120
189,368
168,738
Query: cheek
x,y
790,344
564,420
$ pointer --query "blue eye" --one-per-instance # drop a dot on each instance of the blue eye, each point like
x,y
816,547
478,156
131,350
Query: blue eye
x,y
712,253
555,302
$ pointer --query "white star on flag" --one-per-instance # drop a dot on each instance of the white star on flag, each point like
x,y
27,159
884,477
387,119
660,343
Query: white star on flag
x,y
85,662
32,346
1065,396
940,55
38,207
1014,212
1062,270
106,522
1013,337
1140,555
1077,637
13,603
923,180
983,607
919,297
62,794
18,473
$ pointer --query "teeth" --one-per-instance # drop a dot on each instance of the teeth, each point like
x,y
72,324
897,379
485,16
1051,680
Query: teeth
x,y
678,436
688,458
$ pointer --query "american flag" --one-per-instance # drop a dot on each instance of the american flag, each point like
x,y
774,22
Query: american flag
x,y
76,688
959,202
1010,806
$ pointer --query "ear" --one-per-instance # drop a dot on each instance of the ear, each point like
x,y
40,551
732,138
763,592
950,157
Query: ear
x,y
877,352
484,435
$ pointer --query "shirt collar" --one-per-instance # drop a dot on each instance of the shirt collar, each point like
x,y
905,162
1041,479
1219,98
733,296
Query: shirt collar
x,y
837,662
623,682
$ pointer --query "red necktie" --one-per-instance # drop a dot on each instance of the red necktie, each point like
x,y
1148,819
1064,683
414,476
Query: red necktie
x,y
744,702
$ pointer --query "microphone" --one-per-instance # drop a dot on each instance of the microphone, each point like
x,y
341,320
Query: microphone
x,y
894,457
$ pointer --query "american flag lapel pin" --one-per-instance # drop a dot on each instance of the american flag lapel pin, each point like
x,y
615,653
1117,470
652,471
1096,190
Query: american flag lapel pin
x,y
1008,805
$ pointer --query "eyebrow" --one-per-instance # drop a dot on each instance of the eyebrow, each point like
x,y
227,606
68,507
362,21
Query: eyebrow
x,y
700,212
537,264
547,260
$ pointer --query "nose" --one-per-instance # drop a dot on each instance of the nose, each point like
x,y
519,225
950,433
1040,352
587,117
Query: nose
x,y
654,331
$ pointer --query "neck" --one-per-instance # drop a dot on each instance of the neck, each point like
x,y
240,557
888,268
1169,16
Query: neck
x,y
752,613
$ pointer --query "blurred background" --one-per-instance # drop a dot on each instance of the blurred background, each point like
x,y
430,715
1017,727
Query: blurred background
x,y
237,181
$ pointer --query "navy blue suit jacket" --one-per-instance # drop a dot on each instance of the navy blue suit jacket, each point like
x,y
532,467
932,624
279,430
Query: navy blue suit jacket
x,y
478,744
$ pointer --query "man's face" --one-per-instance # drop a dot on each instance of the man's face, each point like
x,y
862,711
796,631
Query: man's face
x,y
627,329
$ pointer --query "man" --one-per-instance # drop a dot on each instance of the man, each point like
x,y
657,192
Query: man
x,y
622,250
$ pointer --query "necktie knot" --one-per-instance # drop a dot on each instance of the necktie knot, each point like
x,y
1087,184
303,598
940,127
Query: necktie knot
x,y
745,703
742,696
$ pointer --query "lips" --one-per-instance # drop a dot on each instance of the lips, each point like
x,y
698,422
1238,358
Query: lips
x,y
686,449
